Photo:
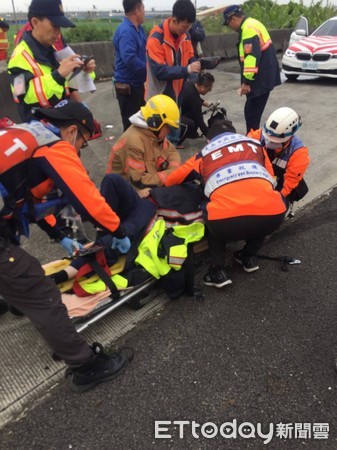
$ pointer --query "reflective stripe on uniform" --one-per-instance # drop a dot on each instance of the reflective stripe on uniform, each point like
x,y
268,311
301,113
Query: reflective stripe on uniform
x,y
236,172
39,92
36,68
280,163
134,164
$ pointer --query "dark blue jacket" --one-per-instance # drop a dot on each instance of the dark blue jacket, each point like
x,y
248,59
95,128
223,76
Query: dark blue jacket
x,y
130,54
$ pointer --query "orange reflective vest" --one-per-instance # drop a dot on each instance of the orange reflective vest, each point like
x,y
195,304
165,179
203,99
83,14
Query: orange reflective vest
x,y
4,44
230,158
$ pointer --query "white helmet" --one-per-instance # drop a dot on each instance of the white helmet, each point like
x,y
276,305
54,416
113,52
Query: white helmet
x,y
281,125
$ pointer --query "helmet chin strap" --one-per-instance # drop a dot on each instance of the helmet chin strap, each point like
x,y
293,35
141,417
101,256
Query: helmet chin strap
x,y
156,133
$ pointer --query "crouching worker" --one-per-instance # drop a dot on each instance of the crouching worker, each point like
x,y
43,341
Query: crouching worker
x,y
35,158
143,155
191,109
243,205
286,151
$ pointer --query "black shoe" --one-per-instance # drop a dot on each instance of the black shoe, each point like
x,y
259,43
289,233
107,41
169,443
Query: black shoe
x,y
101,367
249,263
217,277
15,311
3,306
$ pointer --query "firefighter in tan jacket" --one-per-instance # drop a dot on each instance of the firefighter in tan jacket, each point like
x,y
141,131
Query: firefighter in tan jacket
x,y
142,154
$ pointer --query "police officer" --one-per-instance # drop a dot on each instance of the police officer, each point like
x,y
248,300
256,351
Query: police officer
x,y
34,159
260,71
37,78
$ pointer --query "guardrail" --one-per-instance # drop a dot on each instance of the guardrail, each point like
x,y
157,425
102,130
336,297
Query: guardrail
x,y
223,45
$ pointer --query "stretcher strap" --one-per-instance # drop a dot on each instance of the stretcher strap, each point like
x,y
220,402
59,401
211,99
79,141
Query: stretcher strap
x,y
105,277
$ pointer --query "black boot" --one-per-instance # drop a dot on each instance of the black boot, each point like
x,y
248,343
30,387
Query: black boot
x,y
100,368
3,306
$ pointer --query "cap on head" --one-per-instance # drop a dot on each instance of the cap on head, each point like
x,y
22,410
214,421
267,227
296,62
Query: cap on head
x,y
68,111
160,110
53,10
230,11
281,125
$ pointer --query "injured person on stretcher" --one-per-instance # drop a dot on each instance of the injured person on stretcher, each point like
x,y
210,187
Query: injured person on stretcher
x,y
162,230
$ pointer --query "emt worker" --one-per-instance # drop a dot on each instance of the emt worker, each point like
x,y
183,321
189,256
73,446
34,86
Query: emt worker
x,y
37,79
130,60
287,153
238,181
260,71
34,159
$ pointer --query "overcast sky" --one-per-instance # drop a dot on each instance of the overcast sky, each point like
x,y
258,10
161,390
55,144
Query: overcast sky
x,y
106,5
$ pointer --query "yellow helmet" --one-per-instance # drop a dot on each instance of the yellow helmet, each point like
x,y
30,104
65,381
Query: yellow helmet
x,y
160,110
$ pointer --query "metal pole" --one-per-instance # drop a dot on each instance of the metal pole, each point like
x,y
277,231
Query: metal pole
x,y
15,18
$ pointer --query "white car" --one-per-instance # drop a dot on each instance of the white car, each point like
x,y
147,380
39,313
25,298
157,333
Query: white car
x,y
314,55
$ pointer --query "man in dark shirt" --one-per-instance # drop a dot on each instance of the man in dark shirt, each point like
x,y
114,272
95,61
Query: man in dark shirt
x,y
130,60
192,117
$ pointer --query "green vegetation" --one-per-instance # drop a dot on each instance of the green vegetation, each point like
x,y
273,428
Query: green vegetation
x,y
90,30
275,16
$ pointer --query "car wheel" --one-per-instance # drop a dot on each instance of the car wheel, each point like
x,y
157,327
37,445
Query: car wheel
x,y
291,77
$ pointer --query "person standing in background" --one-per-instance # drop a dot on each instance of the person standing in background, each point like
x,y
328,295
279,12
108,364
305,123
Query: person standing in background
x,y
260,71
198,35
130,60
170,56
4,44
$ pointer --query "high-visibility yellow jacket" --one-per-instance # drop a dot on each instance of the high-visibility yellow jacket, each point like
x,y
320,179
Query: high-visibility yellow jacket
x,y
148,249
35,80
259,65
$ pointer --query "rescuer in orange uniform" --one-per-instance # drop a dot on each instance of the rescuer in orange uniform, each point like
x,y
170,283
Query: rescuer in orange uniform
x,y
238,181
170,56
287,153
34,159
4,44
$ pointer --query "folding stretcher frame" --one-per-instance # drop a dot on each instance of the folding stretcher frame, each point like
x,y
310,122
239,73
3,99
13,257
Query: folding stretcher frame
x,y
138,295
102,303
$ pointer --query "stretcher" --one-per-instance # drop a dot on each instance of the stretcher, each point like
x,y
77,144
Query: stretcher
x,y
85,311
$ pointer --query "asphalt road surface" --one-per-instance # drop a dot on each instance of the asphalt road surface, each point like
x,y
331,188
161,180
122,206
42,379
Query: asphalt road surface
x,y
258,351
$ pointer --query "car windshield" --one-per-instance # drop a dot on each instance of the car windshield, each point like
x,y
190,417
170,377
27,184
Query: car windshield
x,y
328,29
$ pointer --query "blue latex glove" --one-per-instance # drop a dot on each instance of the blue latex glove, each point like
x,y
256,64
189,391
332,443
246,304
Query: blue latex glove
x,y
70,245
123,244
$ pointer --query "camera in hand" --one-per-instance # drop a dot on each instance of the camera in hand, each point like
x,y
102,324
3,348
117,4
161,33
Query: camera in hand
x,y
85,60
209,62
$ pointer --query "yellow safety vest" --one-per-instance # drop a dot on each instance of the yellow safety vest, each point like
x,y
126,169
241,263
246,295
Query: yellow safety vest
x,y
250,28
43,86
148,249
94,287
